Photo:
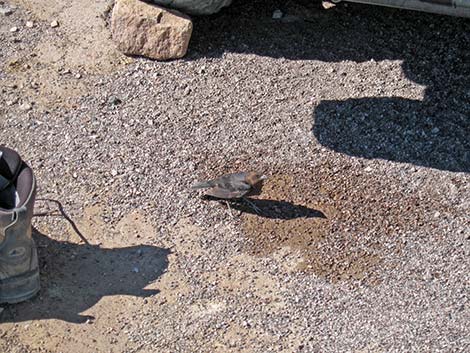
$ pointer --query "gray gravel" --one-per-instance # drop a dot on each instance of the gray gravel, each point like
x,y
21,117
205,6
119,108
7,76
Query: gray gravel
x,y
377,97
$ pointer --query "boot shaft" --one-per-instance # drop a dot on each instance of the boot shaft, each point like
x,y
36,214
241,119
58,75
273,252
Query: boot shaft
x,y
19,273
15,235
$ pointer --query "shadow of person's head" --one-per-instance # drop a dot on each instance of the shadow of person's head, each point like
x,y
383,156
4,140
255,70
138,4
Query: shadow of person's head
x,y
75,277
395,129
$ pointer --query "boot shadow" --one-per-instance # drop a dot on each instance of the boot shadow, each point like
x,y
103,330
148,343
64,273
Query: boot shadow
x,y
74,277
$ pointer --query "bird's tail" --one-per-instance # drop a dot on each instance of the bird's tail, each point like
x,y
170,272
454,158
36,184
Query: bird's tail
x,y
202,185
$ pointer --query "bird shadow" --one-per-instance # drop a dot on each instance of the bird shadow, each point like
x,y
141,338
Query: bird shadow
x,y
273,209
74,277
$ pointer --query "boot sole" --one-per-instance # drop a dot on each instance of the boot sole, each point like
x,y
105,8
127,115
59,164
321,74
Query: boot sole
x,y
19,288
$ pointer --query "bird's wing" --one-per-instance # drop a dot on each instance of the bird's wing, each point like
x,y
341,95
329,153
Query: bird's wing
x,y
221,193
237,186
226,181
233,183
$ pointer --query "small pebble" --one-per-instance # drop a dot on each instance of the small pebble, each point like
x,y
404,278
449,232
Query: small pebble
x,y
14,29
113,100
26,106
78,76
327,5
30,24
54,24
6,10
277,15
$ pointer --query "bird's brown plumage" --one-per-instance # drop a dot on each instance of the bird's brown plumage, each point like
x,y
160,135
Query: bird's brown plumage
x,y
233,186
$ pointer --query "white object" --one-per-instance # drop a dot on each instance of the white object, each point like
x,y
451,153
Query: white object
x,y
277,15
195,7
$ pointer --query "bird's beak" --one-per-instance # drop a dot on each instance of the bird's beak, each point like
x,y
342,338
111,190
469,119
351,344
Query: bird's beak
x,y
263,177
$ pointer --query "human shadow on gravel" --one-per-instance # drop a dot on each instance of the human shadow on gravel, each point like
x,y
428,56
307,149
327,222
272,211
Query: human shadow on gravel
x,y
274,209
75,277
395,129
430,132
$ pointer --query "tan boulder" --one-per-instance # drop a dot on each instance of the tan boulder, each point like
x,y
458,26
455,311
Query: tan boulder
x,y
139,28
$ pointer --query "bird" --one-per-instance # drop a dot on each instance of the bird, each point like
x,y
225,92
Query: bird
x,y
233,187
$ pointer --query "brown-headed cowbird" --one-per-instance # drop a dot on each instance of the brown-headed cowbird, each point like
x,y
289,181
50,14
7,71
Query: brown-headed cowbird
x,y
233,186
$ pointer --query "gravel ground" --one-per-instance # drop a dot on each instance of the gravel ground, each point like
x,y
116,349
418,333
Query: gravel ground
x,y
359,115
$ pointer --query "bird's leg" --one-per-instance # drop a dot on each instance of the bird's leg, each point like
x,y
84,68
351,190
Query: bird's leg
x,y
252,205
229,209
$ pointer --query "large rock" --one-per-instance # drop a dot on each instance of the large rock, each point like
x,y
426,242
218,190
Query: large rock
x,y
139,28
195,7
